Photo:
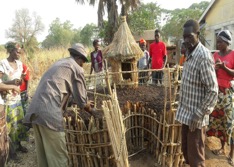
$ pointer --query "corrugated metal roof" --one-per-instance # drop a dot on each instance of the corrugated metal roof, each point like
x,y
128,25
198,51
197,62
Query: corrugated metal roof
x,y
146,35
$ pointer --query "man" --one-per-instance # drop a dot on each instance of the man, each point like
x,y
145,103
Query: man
x,y
198,95
65,77
158,52
143,63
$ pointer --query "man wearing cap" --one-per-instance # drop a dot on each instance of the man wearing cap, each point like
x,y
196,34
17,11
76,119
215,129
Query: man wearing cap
x,y
158,54
63,78
143,63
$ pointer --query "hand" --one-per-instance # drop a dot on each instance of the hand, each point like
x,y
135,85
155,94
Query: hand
x,y
91,103
89,106
17,82
15,89
194,124
219,64
23,75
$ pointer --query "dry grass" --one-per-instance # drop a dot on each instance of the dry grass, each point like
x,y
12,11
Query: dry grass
x,y
40,62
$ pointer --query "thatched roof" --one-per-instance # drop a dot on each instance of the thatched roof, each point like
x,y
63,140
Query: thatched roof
x,y
123,46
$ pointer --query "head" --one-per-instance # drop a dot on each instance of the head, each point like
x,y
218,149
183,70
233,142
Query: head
x,y
96,44
14,50
157,35
77,51
191,31
224,39
142,44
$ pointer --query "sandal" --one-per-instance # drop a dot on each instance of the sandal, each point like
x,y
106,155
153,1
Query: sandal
x,y
218,152
230,160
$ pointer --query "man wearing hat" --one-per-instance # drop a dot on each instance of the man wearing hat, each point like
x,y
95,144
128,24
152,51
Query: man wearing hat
x,y
65,77
143,62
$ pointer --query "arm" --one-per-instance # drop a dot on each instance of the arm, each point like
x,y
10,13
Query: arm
x,y
91,68
80,93
165,55
4,87
208,78
164,61
150,57
16,82
25,74
221,65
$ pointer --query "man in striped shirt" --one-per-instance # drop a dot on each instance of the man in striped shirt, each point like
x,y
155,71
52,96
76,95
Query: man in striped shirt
x,y
198,95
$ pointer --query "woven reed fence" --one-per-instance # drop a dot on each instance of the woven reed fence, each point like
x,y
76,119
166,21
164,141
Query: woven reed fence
x,y
100,142
158,132
105,142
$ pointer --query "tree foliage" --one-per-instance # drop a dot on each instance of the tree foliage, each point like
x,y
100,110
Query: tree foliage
x,y
175,19
111,6
60,34
146,17
25,28
64,35
88,33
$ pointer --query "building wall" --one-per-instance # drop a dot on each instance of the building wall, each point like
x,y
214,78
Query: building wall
x,y
220,16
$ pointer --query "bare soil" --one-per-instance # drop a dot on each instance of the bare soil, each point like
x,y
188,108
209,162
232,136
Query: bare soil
x,y
154,98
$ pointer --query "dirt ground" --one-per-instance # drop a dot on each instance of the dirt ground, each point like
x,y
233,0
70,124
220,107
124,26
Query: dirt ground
x,y
143,159
154,99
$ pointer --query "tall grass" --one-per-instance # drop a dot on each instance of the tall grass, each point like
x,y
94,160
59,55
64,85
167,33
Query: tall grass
x,y
40,62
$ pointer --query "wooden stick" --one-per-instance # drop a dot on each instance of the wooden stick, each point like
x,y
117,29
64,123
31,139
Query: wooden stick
x,y
106,152
90,129
74,160
99,141
135,124
172,139
159,136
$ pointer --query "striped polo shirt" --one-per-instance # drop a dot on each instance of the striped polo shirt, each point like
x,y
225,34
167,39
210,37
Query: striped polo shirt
x,y
199,88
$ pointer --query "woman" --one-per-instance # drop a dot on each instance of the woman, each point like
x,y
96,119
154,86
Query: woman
x,y
97,63
221,119
96,58
4,143
11,69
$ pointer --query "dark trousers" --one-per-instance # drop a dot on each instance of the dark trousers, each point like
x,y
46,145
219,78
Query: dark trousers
x,y
193,146
157,76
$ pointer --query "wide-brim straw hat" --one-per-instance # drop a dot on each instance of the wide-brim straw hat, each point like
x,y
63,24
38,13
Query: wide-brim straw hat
x,y
78,49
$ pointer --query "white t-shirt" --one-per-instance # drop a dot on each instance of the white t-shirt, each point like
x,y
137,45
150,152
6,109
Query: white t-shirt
x,y
144,60
9,74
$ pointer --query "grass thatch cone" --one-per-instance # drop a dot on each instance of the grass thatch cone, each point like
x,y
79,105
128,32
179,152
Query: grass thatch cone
x,y
123,46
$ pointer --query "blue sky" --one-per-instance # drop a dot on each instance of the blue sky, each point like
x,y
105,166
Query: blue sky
x,y
79,15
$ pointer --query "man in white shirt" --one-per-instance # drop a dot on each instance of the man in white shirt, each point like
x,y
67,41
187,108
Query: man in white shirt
x,y
143,62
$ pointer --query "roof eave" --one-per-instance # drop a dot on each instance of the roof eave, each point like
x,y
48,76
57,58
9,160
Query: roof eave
x,y
206,11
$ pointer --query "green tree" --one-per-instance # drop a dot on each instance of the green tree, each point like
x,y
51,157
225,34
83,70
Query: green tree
x,y
112,13
76,36
60,34
175,19
88,33
146,17
24,30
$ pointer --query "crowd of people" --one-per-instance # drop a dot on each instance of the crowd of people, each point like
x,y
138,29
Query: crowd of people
x,y
205,104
